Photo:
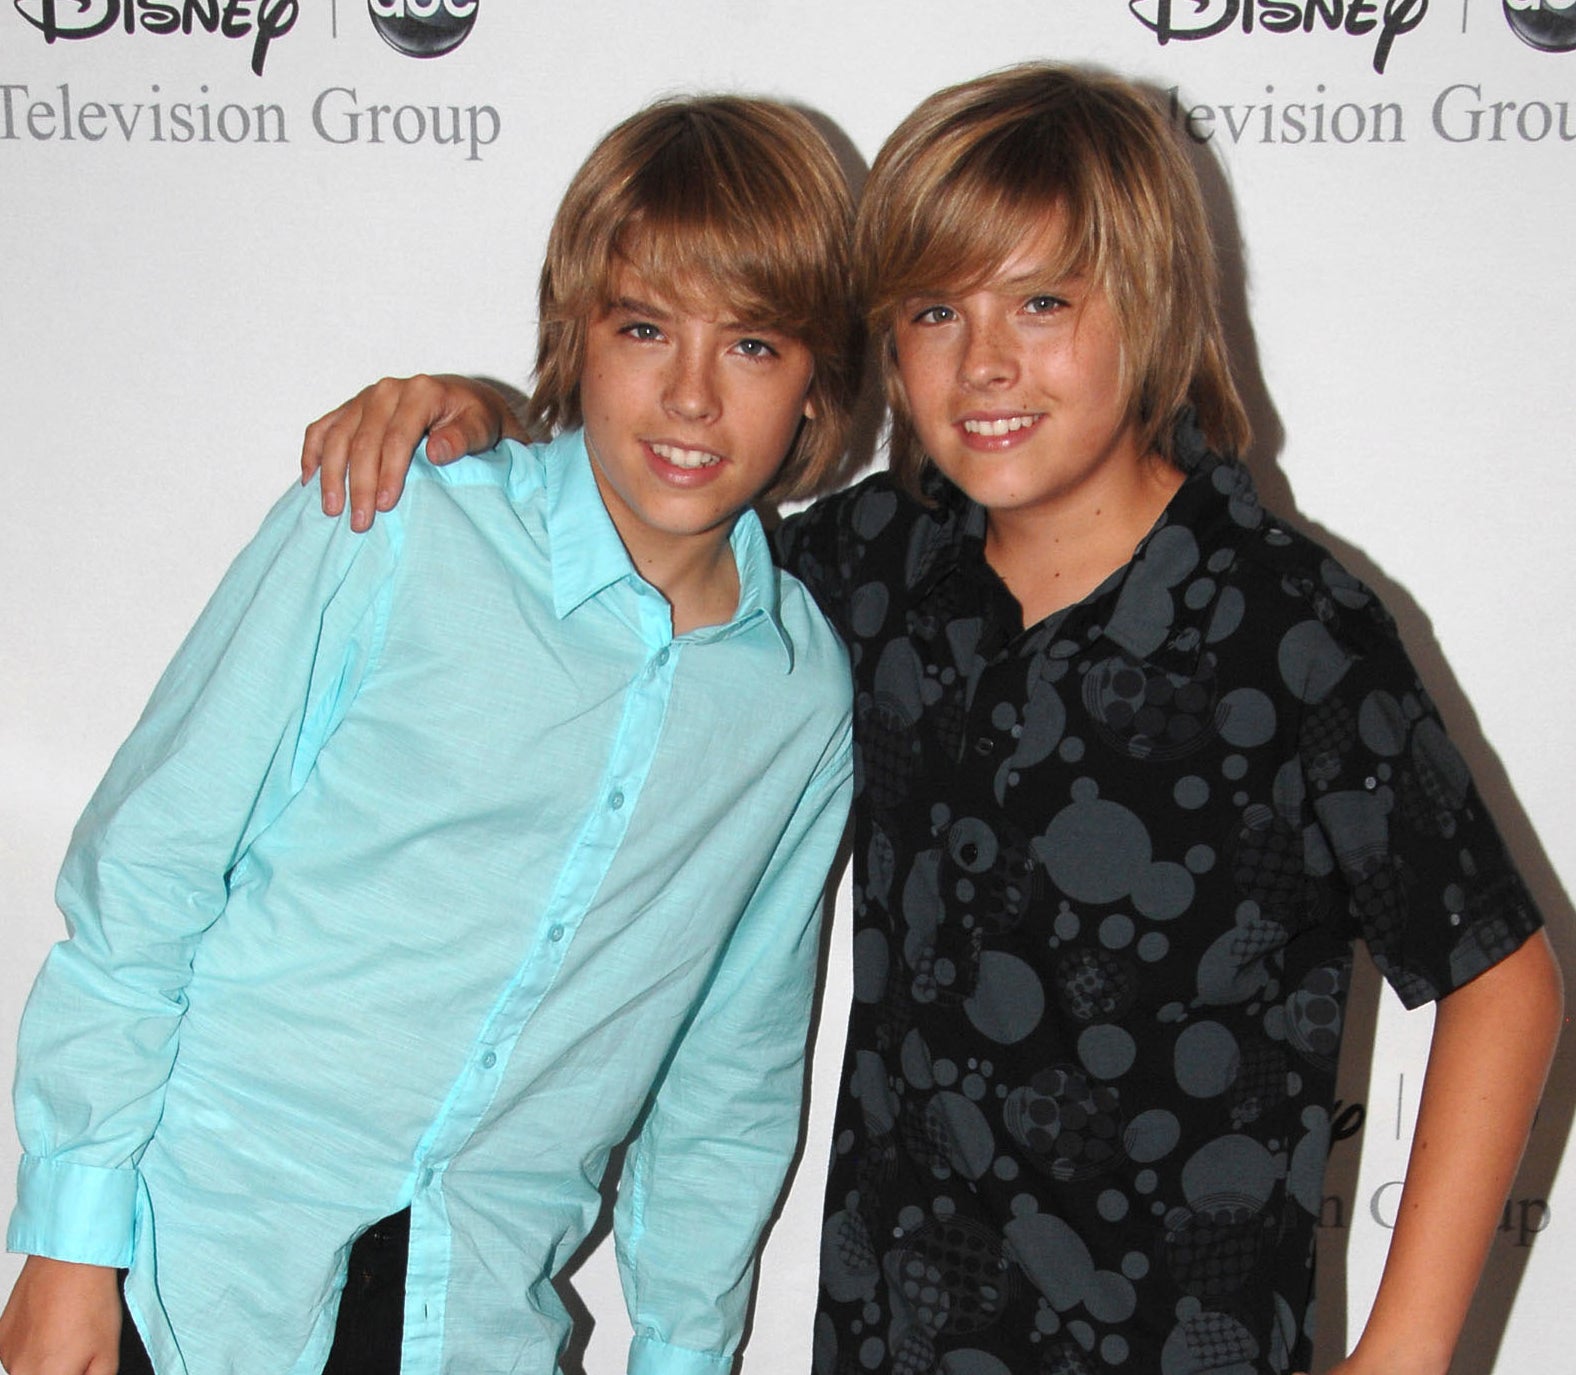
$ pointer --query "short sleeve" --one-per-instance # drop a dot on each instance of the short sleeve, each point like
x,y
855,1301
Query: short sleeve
x,y
1397,818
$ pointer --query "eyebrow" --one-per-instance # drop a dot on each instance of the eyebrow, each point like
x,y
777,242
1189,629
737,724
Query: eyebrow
x,y
630,305
1042,277
633,305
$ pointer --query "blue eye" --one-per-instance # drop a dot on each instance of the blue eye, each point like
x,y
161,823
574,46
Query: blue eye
x,y
1044,305
755,348
642,330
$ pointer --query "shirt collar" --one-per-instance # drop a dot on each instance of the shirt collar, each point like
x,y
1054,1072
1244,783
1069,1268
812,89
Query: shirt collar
x,y
588,557
1159,607
760,583
1165,601
950,535
587,554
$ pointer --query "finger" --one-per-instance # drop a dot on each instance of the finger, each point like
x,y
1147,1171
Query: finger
x,y
321,455
331,457
380,406
446,442
421,402
311,449
329,442
470,427
394,464
477,418
104,1362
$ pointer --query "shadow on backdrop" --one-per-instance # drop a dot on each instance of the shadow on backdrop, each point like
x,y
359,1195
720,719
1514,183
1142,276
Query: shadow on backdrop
x,y
1337,1330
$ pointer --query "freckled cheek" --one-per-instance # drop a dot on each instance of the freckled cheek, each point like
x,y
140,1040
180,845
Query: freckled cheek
x,y
925,387
920,367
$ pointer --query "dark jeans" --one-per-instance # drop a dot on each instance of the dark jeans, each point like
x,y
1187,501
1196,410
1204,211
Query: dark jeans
x,y
371,1310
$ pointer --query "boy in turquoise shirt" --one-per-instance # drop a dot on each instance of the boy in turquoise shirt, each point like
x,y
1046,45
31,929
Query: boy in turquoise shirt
x,y
441,861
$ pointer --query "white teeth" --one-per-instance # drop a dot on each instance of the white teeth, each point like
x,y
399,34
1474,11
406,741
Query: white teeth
x,y
998,427
685,458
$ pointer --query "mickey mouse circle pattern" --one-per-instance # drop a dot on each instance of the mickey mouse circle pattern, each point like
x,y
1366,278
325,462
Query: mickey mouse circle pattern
x,y
1108,871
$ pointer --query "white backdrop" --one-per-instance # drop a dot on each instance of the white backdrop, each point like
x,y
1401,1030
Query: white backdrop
x,y
196,258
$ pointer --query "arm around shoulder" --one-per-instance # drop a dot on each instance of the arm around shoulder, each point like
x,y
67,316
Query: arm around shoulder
x,y
369,439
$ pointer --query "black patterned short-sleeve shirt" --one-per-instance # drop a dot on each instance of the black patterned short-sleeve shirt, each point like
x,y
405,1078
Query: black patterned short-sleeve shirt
x,y
1108,870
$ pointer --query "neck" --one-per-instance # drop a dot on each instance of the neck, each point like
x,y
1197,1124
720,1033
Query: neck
x,y
697,575
1054,554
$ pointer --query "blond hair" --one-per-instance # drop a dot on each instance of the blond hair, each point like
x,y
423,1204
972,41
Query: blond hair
x,y
979,169
718,201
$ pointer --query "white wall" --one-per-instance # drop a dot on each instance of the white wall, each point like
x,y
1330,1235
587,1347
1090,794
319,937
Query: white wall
x,y
172,313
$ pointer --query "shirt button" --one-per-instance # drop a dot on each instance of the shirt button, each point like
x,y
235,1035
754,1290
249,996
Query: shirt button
x,y
426,1177
489,1060
663,656
616,800
984,745
556,933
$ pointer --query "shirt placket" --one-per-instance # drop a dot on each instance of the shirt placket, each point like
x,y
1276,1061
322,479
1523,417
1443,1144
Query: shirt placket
x,y
590,857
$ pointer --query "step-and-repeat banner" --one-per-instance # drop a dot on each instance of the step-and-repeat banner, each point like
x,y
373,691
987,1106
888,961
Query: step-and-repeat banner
x,y
219,217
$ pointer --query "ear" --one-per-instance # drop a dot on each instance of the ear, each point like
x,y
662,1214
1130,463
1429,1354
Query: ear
x,y
808,409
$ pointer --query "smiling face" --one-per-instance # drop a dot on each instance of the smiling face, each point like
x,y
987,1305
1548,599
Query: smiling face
x,y
981,169
688,413
1016,386
715,200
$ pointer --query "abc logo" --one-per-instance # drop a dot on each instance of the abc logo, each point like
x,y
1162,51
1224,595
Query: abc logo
x,y
423,28
1548,25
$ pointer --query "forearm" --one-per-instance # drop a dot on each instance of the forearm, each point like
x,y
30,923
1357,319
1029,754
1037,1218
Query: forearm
x,y
1493,1040
693,1203
702,1180
94,1052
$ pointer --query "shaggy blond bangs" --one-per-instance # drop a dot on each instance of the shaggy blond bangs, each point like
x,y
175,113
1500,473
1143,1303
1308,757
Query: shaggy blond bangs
x,y
981,169
726,206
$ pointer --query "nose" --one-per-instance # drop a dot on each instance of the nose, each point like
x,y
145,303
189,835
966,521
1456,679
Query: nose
x,y
691,391
988,359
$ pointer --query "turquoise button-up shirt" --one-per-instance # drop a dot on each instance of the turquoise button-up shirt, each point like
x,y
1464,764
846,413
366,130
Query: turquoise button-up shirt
x,y
435,867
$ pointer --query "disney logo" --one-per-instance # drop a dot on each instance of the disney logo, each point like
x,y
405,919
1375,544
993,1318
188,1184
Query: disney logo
x,y
262,20
1195,19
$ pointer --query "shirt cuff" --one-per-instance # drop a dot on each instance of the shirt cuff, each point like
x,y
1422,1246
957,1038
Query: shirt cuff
x,y
67,1211
651,1356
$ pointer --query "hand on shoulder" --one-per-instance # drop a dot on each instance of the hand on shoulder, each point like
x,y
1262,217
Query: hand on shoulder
x,y
371,437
